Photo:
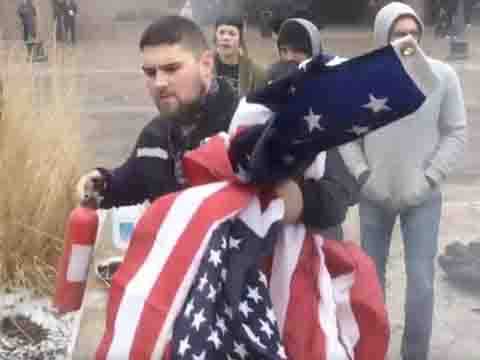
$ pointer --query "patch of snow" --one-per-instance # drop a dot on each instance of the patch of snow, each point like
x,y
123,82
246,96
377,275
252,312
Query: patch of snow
x,y
41,312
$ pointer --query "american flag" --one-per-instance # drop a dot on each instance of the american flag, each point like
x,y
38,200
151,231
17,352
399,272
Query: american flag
x,y
322,106
211,273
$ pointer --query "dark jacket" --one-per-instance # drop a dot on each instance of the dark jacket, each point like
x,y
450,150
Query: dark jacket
x,y
326,201
251,76
154,167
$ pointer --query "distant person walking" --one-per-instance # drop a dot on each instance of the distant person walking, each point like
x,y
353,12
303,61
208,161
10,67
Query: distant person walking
x,y
70,16
58,7
27,13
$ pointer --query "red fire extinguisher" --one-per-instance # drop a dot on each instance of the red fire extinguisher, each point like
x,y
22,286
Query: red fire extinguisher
x,y
72,269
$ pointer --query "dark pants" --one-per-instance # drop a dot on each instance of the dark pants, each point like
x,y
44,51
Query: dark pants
x,y
70,29
28,31
60,30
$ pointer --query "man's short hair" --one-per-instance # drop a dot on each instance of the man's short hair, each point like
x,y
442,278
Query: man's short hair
x,y
172,30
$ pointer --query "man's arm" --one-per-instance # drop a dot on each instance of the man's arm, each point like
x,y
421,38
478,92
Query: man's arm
x,y
146,174
453,131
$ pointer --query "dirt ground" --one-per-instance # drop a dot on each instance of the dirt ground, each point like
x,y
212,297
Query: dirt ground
x,y
116,106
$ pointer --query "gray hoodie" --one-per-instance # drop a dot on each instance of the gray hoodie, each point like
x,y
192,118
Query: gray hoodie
x,y
425,144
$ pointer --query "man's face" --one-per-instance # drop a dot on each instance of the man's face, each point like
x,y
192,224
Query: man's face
x,y
403,27
227,39
287,53
175,77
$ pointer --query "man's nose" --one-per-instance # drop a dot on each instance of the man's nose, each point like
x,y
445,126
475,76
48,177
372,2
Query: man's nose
x,y
161,80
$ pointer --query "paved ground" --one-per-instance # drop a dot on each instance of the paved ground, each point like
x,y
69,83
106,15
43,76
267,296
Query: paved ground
x,y
117,107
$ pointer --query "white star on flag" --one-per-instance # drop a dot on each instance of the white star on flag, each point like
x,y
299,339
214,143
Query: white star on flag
x,y
251,335
213,338
253,294
235,243
312,120
271,316
184,346
221,324
202,356
212,293
240,350
245,309
215,257
281,351
229,312
359,130
203,282
189,308
198,319
266,328
377,105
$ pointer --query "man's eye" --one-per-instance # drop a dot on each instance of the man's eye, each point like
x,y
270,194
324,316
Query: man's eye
x,y
171,68
150,72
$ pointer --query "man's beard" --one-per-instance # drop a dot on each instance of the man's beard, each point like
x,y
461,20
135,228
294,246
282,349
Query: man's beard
x,y
186,113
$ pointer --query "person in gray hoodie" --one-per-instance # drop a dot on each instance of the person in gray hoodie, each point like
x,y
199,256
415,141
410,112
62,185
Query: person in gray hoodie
x,y
400,169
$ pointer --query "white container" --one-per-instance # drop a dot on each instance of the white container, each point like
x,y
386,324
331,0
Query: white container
x,y
124,220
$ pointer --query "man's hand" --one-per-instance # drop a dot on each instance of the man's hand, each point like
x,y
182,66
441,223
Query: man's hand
x,y
89,188
292,196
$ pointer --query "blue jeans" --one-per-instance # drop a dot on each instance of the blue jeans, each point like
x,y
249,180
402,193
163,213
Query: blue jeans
x,y
419,226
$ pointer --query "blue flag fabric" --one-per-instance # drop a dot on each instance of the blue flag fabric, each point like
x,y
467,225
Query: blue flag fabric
x,y
320,107
229,313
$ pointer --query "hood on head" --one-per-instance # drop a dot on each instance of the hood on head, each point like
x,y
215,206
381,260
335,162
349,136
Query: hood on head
x,y
300,32
387,16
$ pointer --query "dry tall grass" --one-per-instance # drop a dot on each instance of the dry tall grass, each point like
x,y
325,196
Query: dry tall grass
x,y
40,153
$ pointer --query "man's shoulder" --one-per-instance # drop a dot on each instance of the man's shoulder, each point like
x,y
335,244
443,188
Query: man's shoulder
x,y
442,70
156,129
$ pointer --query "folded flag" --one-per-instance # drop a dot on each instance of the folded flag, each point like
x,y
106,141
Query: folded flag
x,y
320,107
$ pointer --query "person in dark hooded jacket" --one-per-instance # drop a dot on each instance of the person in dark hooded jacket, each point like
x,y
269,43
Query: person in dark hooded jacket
x,y
299,40
192,104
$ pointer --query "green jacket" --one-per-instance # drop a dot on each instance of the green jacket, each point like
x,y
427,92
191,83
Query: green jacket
x,y
251,75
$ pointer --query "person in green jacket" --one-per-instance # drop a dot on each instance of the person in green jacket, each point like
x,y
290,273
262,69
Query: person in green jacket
x,y
232,62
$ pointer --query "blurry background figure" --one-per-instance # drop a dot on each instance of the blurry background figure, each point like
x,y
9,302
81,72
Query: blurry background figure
x,y
28,15
232,62
70,15
58,7
204,12
469,8
186,10
440,18
450,7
